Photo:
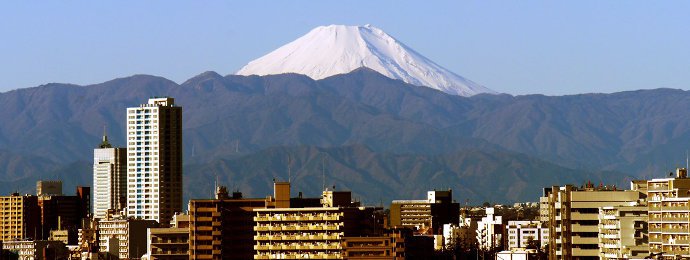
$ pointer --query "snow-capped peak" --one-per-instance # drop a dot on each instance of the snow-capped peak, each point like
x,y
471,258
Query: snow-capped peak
x,y
336,49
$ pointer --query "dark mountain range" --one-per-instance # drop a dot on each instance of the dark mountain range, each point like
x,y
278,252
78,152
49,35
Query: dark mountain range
x,y
385,139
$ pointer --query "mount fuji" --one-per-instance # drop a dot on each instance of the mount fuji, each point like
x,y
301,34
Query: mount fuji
x,y
337,49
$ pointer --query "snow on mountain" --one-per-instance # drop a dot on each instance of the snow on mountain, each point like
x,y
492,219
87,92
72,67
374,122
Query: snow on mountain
x,y
336,49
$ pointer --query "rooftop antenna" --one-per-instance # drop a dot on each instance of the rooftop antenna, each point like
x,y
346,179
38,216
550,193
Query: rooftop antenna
x,y
193,146
323,173
687,160
289,172
237,146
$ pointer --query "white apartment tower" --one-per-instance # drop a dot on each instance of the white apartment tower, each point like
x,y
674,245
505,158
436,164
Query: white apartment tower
x,y
109,178
154,152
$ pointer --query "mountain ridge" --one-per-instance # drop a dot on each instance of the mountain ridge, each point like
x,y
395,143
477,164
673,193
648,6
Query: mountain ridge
x,y
598,136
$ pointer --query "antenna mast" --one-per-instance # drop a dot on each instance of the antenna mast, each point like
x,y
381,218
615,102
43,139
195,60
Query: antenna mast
x,y
323,173
289,172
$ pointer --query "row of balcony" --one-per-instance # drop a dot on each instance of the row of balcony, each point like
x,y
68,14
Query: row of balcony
x,y
332,246
297,218
669,208
335,236
297,227
298,256
670,219
669,230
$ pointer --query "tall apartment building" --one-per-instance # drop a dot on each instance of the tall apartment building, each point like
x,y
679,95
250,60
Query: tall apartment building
x,y
154,160
521,233
573,217
427,216
20,217
623,232
669,215
109,178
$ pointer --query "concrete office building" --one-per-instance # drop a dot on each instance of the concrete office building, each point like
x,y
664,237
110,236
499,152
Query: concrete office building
x,y
669,215
154,160
427,216
20,217
109,178
573,217
48,188
521,233
623,232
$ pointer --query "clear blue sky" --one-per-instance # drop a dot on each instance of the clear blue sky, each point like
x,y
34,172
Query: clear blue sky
x,y
516,47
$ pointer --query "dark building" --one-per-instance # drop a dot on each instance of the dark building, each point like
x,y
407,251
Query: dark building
x,y
63,212
426,216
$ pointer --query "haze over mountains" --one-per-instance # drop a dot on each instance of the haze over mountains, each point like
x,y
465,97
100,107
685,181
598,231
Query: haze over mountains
x,y
381,138
369,114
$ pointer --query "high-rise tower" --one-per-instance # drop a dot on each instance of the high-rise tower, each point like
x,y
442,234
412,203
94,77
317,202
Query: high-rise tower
x,y
154,152
109,178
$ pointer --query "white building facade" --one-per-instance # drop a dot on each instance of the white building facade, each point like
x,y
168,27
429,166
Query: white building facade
x,y
154,152
109,178
490,231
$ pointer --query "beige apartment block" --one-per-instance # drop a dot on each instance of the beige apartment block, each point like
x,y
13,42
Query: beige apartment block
x,y
312,232
573,217
669,215
20,217
623,232
154,160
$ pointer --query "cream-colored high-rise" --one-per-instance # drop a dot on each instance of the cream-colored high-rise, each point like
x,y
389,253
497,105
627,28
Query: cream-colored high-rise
x,y
154,160
109,178
668,201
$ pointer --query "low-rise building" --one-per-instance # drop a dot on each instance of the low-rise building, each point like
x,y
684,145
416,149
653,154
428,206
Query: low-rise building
x,y
170,243
522,233
36,249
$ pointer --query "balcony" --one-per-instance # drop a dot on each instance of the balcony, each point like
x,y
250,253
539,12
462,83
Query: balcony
x,y
676,208
261,228
260,237
258,219
675,230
